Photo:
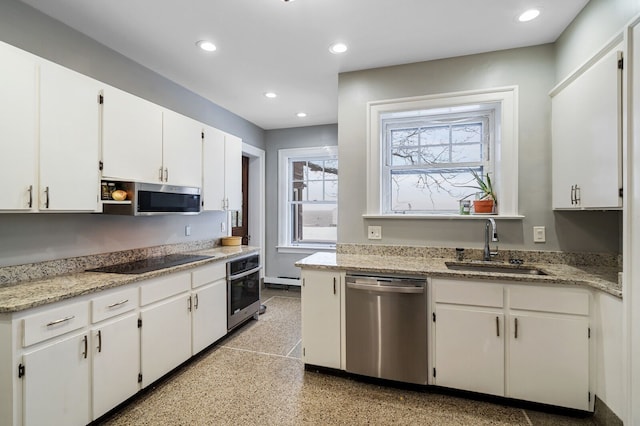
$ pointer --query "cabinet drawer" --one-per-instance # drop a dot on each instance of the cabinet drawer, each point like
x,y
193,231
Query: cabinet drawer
x,y
208,274
161,288
468,293
113,304
546,299
54,322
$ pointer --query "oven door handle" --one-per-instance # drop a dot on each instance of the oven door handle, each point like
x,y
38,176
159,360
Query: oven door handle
x,y
244,274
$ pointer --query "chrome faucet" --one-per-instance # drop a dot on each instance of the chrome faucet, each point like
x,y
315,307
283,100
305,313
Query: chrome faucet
x,y
494,237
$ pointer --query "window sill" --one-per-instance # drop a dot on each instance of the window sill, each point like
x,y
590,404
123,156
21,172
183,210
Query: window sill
x,y
443,216
306,248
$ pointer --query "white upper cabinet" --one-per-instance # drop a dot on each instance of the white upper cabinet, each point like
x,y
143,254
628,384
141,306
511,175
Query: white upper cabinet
x,y
587,136
221,171
18,135
131,137
69,140
181,149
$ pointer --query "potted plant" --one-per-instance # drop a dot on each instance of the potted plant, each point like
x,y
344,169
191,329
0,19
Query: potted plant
x,y
486,200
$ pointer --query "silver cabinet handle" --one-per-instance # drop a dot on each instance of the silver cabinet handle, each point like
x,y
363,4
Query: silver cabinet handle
x,y
61,320
160,174
498,326
196,302
30,190
86,346
189,303
516,327
166,174
334,285
122,302
573,192
46,193
577,195
99,340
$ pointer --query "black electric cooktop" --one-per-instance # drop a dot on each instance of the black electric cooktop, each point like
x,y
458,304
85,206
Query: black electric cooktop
x,y
150,264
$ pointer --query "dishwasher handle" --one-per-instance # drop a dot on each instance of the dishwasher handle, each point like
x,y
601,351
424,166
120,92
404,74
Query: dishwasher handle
x,y
385,288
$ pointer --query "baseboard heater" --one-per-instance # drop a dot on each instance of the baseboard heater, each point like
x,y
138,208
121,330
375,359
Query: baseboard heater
x,y
283,281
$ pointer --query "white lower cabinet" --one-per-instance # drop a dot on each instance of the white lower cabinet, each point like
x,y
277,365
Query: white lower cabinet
x,y
56,383
209,315
321,318
534,346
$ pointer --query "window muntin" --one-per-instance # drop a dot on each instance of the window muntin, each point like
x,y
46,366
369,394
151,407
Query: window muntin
x,y
428,160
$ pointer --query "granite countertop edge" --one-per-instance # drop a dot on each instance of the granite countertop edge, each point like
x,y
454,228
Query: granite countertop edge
x,y
604,279
33,293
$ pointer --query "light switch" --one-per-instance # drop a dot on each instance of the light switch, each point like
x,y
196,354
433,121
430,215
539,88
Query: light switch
x,y
374,232
539,234
187,230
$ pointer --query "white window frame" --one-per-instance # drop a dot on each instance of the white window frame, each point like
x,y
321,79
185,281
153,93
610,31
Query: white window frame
x,y
284,214
505,173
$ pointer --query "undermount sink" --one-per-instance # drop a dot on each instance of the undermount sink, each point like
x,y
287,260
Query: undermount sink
x,y
494,268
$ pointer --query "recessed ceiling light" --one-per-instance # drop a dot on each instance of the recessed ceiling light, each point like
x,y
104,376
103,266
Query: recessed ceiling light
x,y
270,95
206,45
301,114
338,48
529,15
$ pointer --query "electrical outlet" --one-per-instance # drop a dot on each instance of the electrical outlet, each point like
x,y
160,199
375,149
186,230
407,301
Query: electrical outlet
x,y
187,230
374,232
539,234
223,227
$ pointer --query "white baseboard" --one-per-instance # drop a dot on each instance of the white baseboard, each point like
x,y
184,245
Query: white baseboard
x,y
282,281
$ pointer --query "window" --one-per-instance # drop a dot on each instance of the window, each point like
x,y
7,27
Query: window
x,y
422,152
429,160
308,194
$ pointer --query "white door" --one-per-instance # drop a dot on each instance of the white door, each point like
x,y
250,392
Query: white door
x,y
17,129
182,149
209,317
213,175
548,360
233,172
469,349
116,363
69,140
165,337
321,318
56,383
131,137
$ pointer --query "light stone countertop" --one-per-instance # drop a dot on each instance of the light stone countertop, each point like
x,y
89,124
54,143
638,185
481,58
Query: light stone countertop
x,y
601,278
36,292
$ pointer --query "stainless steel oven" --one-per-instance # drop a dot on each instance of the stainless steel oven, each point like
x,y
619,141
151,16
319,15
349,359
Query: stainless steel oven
x,y
243,289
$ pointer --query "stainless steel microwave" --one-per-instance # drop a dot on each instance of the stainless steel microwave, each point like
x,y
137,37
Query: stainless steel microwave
x,y
148,199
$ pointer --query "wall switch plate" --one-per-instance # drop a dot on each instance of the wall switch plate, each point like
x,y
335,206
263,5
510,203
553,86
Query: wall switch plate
x,y
223,227
539,234
187,230
374,232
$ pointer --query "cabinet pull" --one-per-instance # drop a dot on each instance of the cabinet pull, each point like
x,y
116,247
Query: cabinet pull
x,y
61,320
166,174
498,326
196,303
516,327
30,190
189,303
122,302
86,346
99,340
160,174
577,195
573,191
46,202
334,285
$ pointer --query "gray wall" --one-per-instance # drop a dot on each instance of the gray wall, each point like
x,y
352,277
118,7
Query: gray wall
x,y
533,71
35,237
281,264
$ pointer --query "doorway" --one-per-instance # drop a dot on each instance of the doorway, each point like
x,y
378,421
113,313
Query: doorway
x,y
240,218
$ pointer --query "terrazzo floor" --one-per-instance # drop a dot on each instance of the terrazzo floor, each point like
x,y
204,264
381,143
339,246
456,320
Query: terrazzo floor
x,y
256,376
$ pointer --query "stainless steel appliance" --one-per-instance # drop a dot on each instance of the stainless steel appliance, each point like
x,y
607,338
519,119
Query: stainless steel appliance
x,y
386,325
147,199
243,289
150,264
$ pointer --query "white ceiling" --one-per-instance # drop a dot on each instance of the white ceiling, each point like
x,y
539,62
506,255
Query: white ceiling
x,y
273,45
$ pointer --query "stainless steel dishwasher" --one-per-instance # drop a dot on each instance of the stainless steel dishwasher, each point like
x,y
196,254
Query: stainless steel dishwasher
x,y
386,324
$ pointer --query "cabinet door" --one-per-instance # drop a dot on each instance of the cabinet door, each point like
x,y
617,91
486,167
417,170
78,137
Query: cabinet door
x,y
213,175
56,383
69,137
116,363
131,137
165,337
469,349
321,318
209,318
17,129
548,360
182,149
233,172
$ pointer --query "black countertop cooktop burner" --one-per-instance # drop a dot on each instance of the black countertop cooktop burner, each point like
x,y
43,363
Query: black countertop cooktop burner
x,y
150,264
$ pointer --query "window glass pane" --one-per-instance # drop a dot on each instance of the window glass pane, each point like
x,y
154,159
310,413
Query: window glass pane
x,y
466,153
315,170
298,170
434,135
315,223
331,169
404,137
465,133
315,191
299,191
331,190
